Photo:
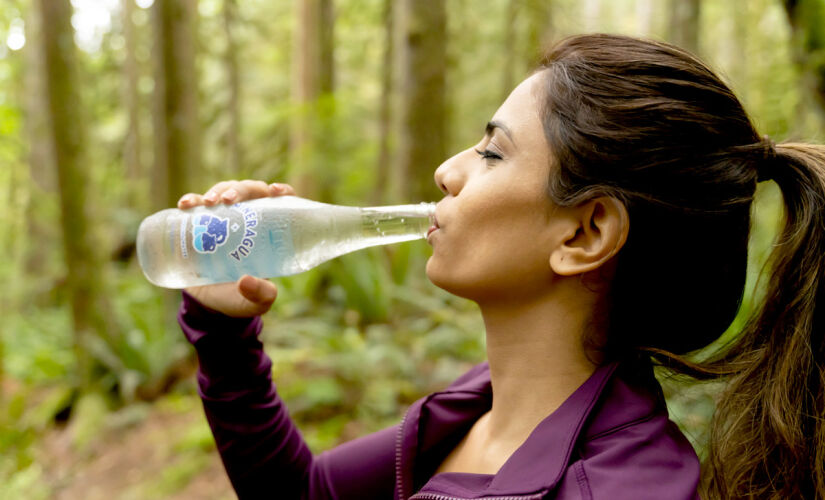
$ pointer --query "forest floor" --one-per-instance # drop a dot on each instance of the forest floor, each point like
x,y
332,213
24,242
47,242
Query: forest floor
x,y
160,452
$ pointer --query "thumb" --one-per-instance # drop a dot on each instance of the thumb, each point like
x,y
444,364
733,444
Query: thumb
x,y
257,291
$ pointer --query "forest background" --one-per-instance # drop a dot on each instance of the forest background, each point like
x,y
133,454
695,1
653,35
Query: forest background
x,y
111,109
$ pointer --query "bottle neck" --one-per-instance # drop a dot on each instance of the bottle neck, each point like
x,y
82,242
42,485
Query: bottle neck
x,y
398,221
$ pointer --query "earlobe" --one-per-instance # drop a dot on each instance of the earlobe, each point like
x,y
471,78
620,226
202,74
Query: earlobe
x,y
598,230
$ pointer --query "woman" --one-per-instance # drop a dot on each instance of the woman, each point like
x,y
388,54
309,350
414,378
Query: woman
x,y
600,223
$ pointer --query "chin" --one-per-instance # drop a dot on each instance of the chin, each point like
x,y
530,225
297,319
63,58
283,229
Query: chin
x,y
440,278
447,280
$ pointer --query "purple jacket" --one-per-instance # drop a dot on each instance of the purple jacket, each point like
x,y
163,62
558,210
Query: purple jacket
x,y
611,439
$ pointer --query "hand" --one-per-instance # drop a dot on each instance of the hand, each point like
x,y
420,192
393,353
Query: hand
x,y
249,296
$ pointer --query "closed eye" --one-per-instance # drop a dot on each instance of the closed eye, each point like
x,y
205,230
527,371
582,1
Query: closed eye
x,y
488,155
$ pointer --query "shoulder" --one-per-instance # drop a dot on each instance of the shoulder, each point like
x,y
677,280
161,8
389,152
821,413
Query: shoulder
x,y
650,459
631,450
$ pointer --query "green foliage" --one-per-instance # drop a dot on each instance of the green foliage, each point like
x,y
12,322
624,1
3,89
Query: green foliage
x,y
173,478
151,342
39,347
25,483
88,419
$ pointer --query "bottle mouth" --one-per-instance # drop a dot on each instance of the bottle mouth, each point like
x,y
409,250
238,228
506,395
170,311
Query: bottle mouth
x,y
431,213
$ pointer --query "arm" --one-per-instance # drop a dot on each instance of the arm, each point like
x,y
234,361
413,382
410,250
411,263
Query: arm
x,y
262,451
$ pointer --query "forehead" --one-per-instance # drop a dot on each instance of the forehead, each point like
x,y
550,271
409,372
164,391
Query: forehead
x,y
521,112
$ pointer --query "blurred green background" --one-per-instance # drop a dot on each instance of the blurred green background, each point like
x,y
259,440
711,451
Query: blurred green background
x,y
111,109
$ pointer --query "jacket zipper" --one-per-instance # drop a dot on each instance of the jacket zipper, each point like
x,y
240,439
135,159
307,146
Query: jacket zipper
x,y
398,442
433,496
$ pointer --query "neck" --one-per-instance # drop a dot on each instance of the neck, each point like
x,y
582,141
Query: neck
x,y
537,359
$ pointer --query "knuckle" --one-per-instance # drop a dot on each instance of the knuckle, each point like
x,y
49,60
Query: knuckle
x,y
216,188
224,185
253,188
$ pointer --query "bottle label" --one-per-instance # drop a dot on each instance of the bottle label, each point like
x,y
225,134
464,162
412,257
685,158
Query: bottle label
x,y
250,221
209,232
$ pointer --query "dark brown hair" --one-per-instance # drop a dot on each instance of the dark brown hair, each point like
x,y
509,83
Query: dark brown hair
x,y
651,125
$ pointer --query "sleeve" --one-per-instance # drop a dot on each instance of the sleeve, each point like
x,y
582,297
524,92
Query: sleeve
x,y
262,451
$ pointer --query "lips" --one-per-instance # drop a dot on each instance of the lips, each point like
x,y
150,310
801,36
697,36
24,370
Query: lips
x,y
434,227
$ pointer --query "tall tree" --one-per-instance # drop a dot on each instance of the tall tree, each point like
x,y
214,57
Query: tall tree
x,y
230,58
326,33
539,14
422,141
38,132
175,113
683,24
734,48
807,19
313,77
132,157
383,167
510,31
83,281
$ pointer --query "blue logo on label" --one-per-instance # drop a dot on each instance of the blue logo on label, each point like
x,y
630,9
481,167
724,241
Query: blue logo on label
x,y
208,232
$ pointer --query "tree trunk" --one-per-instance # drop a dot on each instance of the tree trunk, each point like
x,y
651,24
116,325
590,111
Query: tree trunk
x,y
176,121
684,24
326,32
384,165
132,158
83,280
735,49
807,19
305,92
423,26
233,147
539,15
510,46
313,77
41,156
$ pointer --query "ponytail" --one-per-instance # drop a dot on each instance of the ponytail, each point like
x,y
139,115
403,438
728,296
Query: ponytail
x,y
767,437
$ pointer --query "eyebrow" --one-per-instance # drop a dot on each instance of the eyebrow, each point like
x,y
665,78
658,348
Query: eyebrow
x,y
492,125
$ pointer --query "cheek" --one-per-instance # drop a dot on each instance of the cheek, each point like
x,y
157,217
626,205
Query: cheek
x,y
503,253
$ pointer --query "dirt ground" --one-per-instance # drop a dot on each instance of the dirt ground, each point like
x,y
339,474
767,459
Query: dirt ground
x,y
146,460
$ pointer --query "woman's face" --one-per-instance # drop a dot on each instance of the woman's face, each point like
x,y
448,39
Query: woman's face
x,y
495,221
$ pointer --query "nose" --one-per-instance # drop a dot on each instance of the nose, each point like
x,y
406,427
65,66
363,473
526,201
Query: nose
x,y
450,176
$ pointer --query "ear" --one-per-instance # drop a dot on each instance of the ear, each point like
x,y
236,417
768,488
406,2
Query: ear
x,y
597,231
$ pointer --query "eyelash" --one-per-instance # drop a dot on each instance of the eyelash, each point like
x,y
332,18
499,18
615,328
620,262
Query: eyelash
x,y
488,155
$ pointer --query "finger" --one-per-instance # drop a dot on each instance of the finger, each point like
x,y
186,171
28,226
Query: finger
x,y
214,194
190,200
245,190
281,189
258,291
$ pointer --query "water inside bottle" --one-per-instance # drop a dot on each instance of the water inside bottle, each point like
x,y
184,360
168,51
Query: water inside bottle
x,y
267,238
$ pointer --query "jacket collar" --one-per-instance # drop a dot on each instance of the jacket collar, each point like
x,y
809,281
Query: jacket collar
x,y
435,424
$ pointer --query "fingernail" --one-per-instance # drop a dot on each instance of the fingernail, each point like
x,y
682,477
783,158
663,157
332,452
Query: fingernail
x,y
276,186
211,196
230,194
